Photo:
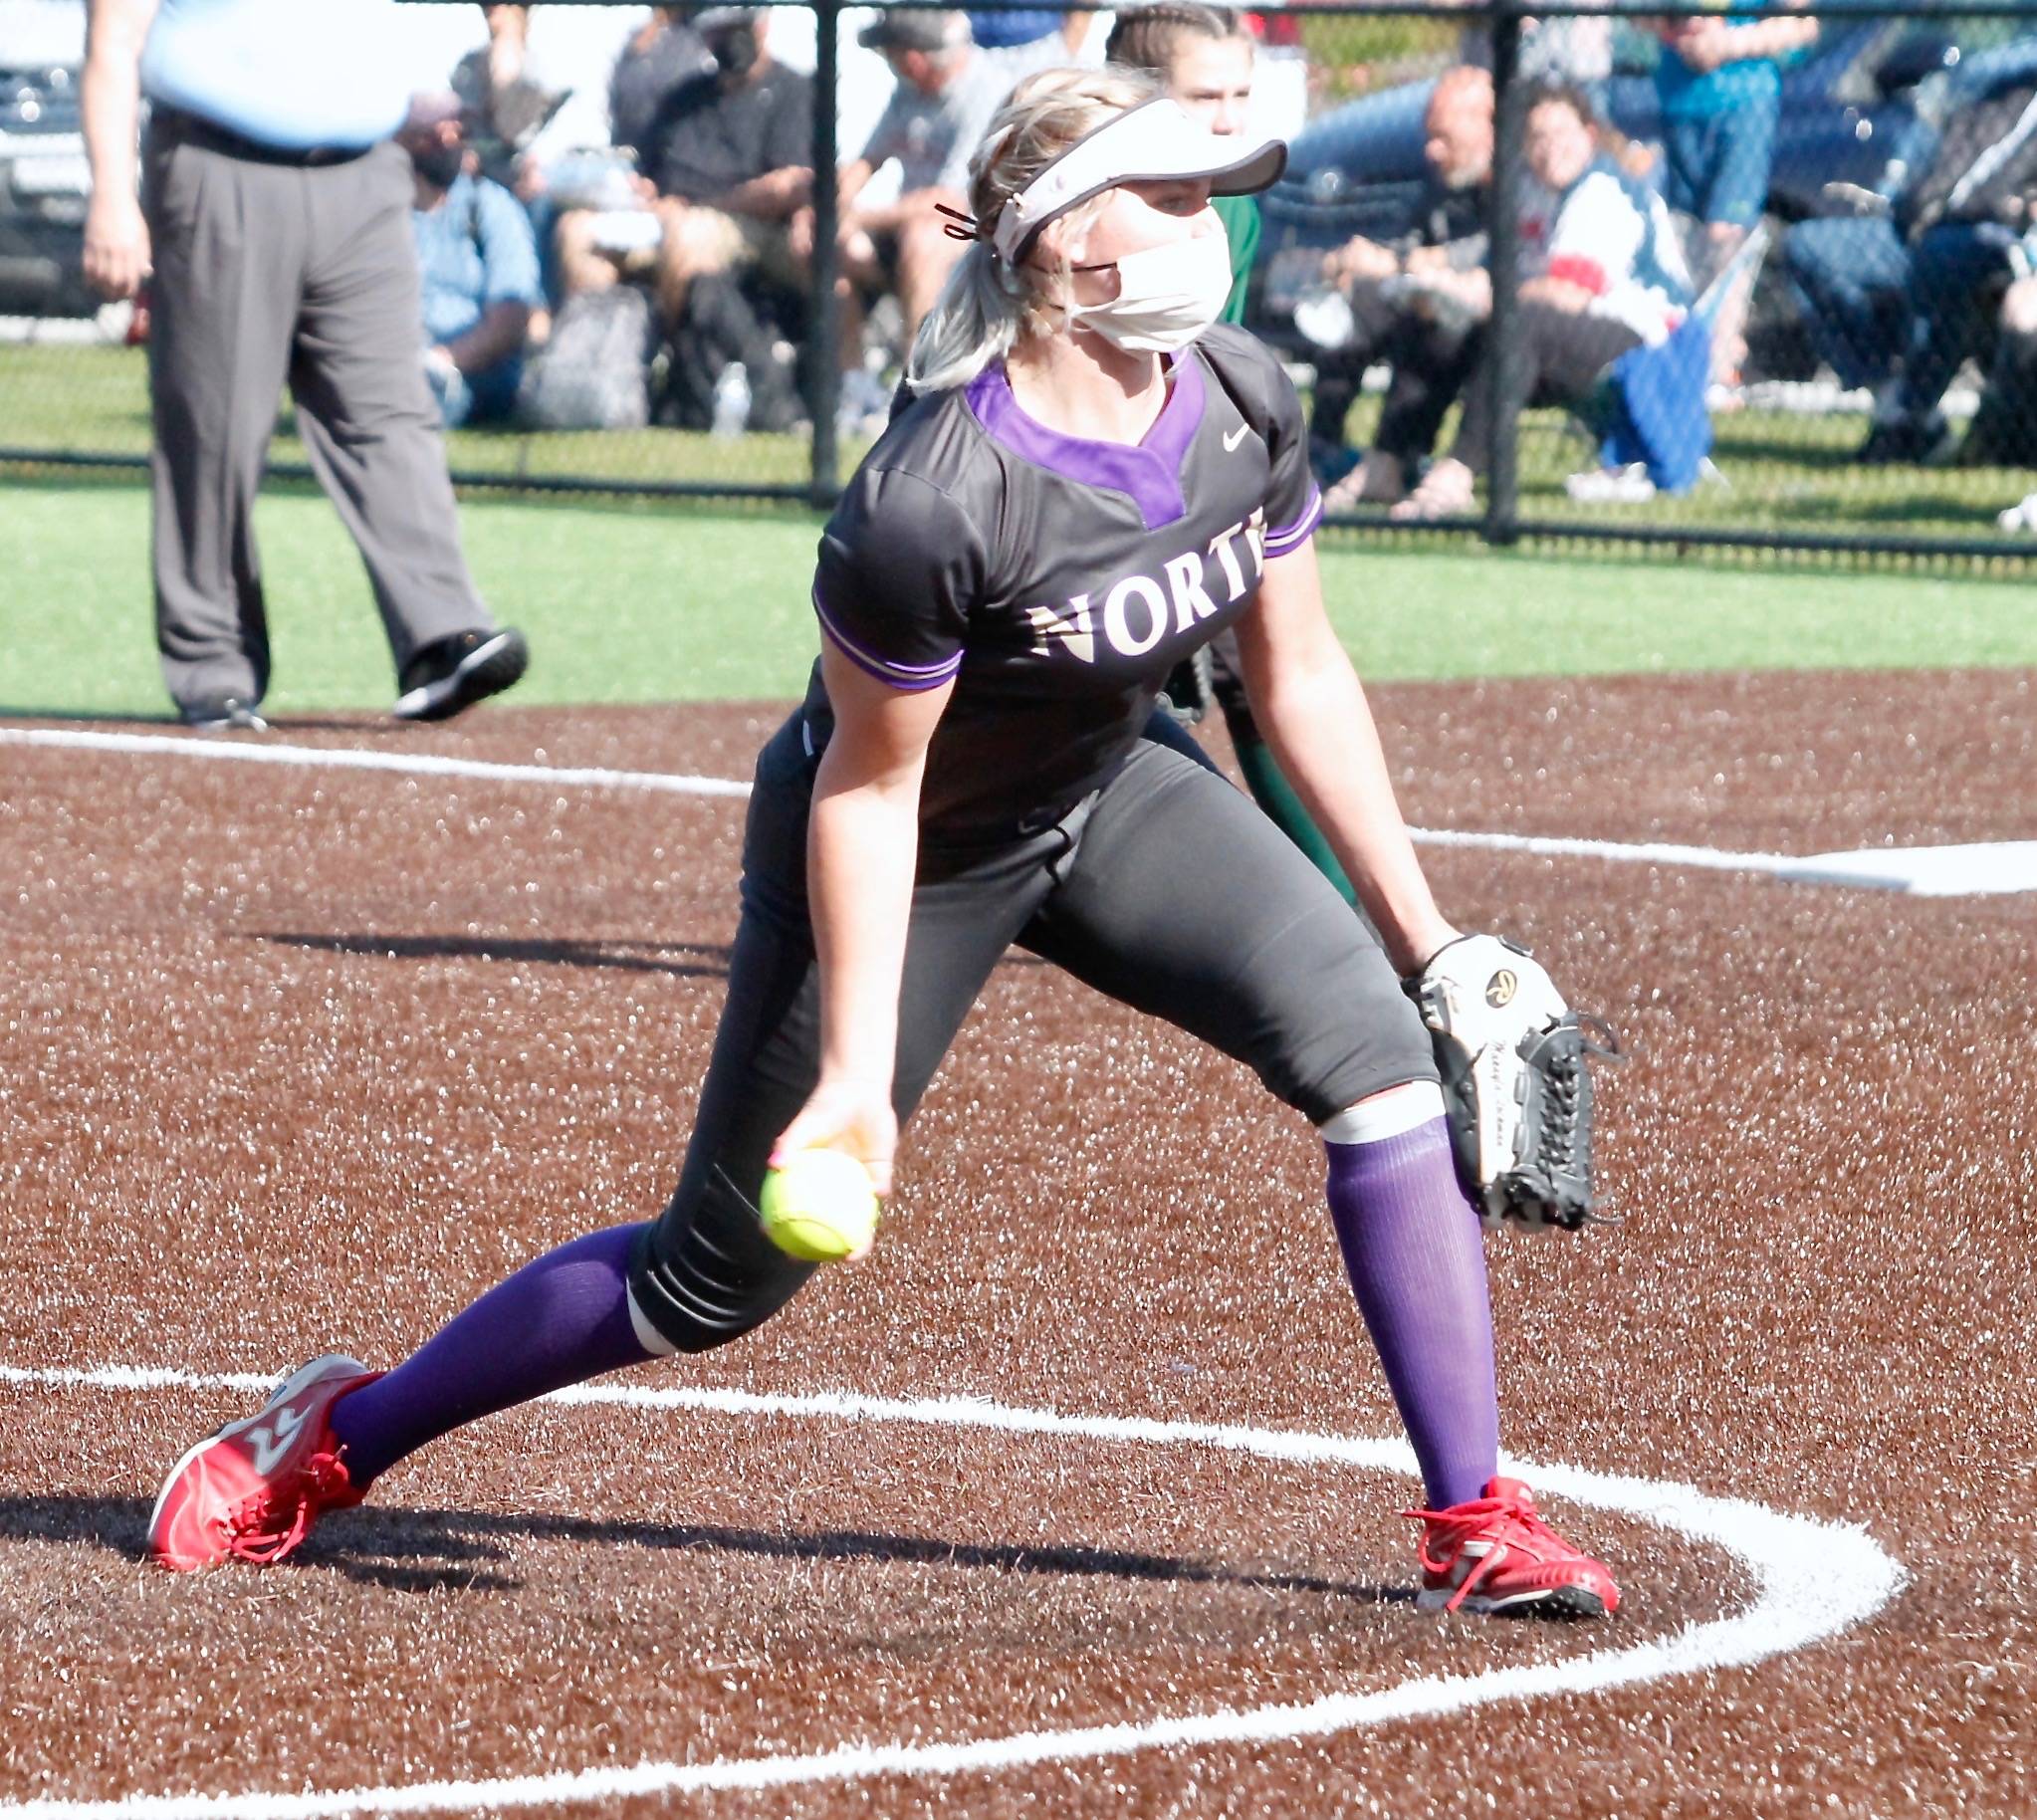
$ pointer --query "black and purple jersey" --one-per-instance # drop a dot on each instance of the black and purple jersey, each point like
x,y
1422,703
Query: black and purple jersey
x,y
1056,581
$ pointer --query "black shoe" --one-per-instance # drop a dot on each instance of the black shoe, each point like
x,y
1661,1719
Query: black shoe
x,y
453,673
226,714
1925,442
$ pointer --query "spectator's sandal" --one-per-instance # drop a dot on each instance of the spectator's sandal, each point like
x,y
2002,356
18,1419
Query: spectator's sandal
x,y
1447,490
1376,480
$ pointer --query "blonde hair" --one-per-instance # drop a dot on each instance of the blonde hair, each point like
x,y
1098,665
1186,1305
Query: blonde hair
x,y
987,307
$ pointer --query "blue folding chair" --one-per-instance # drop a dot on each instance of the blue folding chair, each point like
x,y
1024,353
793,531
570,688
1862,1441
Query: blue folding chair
x,y
1654,397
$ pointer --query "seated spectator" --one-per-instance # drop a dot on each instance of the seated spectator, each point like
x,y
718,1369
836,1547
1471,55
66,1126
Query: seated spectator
x,y
2006,426
2003,433
477,260
728,156
1719,86
1613,280
936,118
1420,305
1900,301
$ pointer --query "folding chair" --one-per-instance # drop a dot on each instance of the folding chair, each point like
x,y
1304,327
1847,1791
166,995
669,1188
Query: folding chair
x,y
1654,397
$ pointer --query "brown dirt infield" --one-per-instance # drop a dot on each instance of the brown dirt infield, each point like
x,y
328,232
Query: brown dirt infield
x,y
295,1058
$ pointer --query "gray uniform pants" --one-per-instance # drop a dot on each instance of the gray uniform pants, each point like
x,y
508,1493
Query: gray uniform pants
x,y
267,273
1167,889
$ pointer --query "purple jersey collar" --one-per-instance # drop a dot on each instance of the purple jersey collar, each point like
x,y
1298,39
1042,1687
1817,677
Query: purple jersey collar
x,y
1148,474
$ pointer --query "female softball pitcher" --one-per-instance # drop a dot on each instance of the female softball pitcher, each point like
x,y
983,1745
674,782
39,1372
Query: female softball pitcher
x,y
1091,482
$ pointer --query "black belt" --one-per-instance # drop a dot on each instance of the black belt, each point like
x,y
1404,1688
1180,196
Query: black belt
x,y
196,132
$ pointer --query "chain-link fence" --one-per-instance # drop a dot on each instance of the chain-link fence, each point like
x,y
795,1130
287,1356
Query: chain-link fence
x,y
1759,277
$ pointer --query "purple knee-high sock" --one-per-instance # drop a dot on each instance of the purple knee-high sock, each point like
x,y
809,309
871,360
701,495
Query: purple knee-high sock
x,y
558,1321
1417,1261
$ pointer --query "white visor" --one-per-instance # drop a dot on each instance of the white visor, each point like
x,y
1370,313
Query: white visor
x,y
1154,142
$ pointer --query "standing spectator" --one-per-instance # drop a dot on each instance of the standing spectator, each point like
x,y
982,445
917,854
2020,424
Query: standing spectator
x,y
275,217
1574,52
477,258
1420,305
661,54
1613,280
945,98
1204,56
1922,284
1018,42
1720,86
537,87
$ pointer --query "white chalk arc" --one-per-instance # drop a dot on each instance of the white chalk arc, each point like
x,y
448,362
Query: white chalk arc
x,y
1812,1581
1976,868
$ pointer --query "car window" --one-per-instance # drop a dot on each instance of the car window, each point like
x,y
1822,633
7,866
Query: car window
x,y
42,34
1635,52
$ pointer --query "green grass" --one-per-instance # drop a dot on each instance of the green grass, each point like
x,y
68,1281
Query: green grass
x,y
95,399
644,603
1785,473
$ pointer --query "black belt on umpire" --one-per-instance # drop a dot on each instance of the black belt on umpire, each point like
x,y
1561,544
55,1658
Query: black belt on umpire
x,y
192,131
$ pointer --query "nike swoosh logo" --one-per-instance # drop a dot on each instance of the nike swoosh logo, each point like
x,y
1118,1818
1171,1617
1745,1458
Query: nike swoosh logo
x,y
1235,437
270,1441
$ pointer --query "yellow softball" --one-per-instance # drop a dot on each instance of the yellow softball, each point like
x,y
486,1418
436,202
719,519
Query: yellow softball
x,y
820,1207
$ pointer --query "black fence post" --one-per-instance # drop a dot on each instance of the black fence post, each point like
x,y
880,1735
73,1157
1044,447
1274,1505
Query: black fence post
x,y
1502,458
824,362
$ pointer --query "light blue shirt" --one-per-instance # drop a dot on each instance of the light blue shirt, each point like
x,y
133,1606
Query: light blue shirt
x,y
475,250
291,74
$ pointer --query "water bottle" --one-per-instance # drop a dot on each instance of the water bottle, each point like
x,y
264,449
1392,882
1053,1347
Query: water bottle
x,y
731,401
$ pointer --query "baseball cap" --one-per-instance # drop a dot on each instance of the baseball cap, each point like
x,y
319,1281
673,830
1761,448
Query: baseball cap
x,y
1154,142
914,28
431,108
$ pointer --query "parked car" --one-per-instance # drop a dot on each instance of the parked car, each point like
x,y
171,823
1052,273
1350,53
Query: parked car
x,y
45,182
1860,107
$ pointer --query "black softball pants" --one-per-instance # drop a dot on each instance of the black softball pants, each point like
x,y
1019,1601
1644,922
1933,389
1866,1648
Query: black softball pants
x,y
1166,889
1558,356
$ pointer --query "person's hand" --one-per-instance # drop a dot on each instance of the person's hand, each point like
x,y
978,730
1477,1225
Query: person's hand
x,y
1359,259
1469,293
800,234
118,256
1704,44
530,179
1428,262
850,1115
438,360
858,248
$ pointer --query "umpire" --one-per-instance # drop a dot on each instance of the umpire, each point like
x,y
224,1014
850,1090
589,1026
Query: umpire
x,y
274,233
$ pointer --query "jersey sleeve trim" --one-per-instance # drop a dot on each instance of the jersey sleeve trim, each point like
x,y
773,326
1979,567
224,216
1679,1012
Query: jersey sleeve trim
x,y
1290,538
911,678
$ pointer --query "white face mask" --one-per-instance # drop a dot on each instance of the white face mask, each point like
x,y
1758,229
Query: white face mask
x,y
1166,295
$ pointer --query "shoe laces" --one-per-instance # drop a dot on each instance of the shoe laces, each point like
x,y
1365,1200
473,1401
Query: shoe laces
x,y
1557,1148
267,1525
1503,1522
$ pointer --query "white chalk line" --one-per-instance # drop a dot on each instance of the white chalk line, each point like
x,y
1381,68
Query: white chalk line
x,y
354,758
1979,868
1813,1580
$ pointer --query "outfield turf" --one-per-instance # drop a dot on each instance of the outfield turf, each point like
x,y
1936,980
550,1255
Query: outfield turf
x,y
1784,472
655,604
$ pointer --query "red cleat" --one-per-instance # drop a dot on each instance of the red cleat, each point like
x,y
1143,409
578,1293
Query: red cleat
x,y
252,1491
1494,1555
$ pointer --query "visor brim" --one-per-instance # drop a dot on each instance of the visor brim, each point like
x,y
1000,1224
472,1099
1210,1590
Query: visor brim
x,y
1154,142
